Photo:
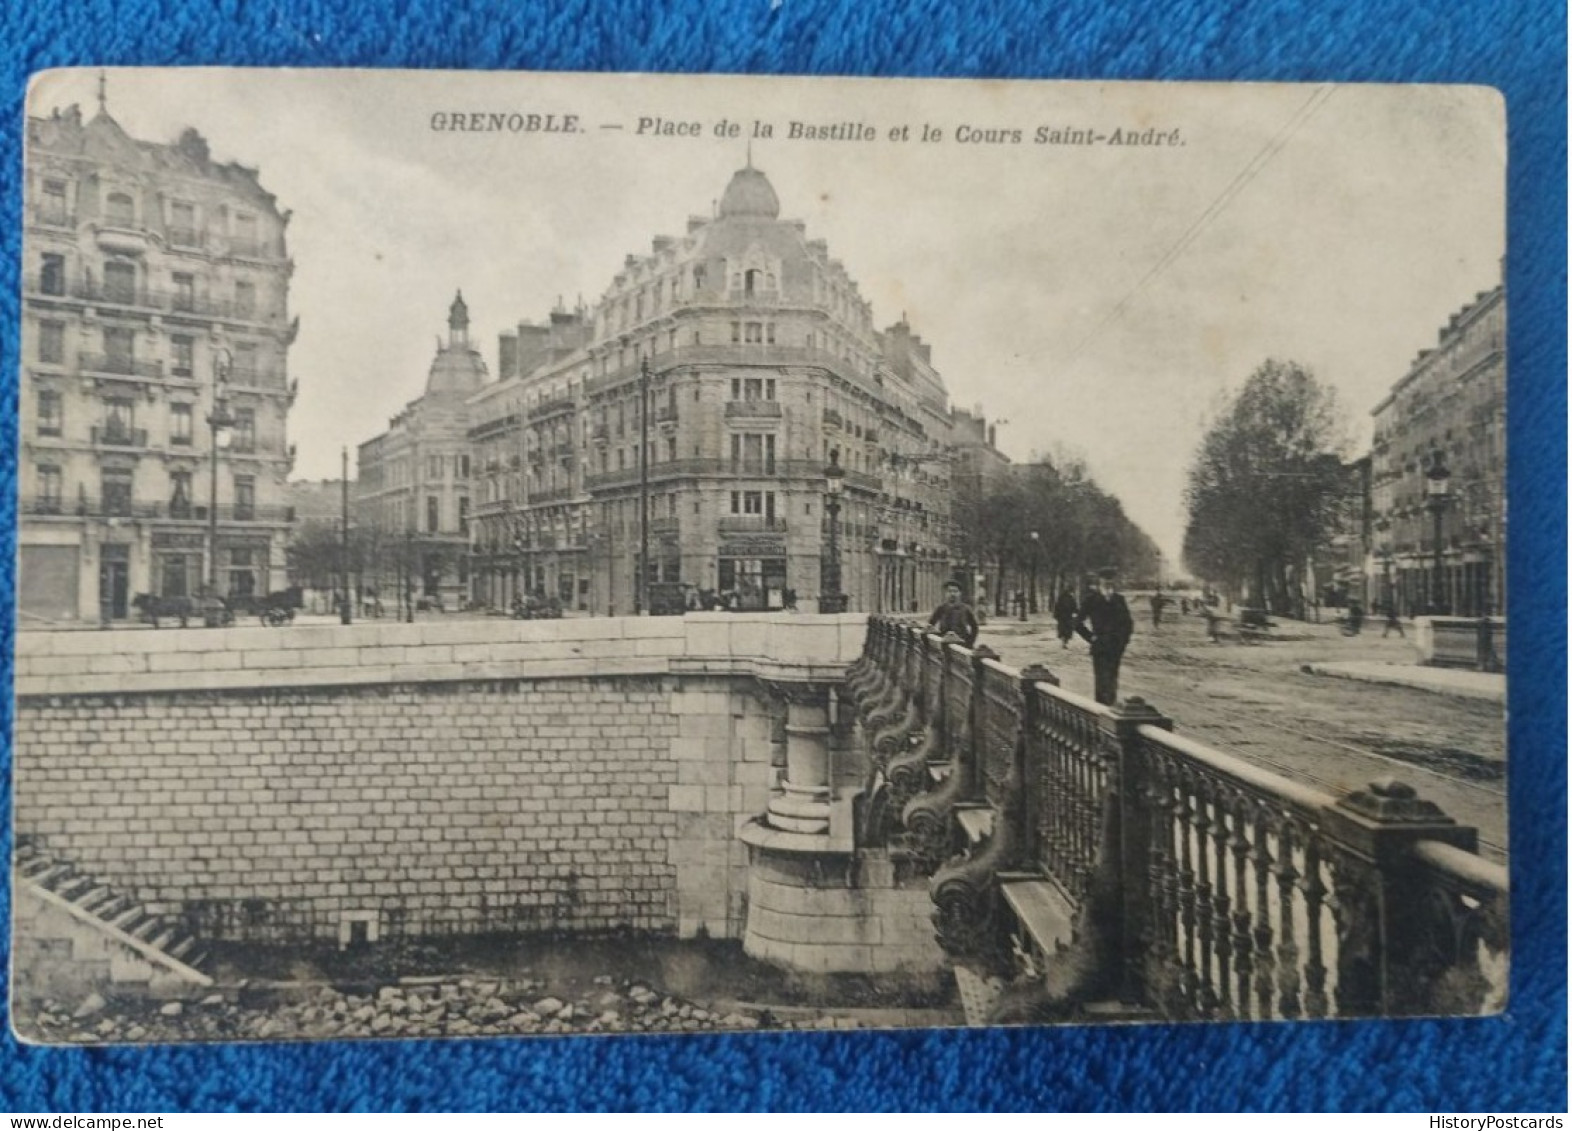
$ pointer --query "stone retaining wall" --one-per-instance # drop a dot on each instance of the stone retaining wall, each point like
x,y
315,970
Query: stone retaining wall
x,y
460,776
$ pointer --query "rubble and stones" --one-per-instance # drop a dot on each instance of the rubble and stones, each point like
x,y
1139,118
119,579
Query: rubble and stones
x,y
413,1008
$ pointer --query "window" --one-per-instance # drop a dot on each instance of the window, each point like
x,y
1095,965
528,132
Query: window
x,y
118,420
185,292
750,280
463,514
769,332
245,498
180,425
463,467
120,210
753,502
116,484
181,354
120,281
753,453
698,277
736,331
433,467
54,208
671,448
246,360
246,232
119,348
51,274
180,493
182,224
48,501
245,300
754,332
51,343
433,514
245,433
49,412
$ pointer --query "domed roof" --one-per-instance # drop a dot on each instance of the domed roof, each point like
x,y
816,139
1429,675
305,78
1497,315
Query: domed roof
x,y
456,369
750,195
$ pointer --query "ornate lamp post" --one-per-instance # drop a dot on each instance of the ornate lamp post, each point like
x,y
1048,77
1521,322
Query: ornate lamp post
x,y
219,423
1437,497
831,599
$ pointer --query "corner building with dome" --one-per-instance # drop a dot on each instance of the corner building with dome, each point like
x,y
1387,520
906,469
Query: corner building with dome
x,y
761,368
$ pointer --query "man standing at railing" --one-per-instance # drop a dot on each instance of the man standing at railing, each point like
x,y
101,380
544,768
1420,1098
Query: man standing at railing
x,y
1106,625
955,615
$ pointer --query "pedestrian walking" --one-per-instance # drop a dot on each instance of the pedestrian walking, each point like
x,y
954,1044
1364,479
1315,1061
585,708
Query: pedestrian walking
x,y
1392,622
955,615
1158,601
1105,623
1065,612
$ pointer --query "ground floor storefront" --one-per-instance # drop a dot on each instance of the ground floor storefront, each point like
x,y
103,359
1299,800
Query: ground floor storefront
x,y
86,570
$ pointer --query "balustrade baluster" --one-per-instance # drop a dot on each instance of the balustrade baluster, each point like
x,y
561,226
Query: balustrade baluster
x,y
1206,996
1314,892
1287,945
1264,962
1223,828
1185,829
1240,844
1160,937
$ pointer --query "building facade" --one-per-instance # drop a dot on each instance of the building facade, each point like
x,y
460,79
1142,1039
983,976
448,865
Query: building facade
x,y
155,391
1450,405
741,361
412,490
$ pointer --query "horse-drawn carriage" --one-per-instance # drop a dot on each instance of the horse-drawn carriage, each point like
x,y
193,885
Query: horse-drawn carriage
x,y
273,609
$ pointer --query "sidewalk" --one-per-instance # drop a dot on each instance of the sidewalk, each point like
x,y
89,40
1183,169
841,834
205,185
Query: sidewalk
x,y
1446,681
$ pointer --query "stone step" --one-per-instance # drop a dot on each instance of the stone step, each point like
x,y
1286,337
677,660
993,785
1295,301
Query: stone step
x,y
99,902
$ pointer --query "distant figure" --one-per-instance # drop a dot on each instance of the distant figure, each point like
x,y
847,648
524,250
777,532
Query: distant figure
x,y
955,615
1356,618
1158,601
1106,625
1065,612
1392,622
1212,621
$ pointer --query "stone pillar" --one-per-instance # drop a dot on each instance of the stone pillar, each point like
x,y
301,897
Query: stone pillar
x,y
803,804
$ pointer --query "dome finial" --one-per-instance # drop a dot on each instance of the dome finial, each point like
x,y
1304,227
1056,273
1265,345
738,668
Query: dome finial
x,y
103,93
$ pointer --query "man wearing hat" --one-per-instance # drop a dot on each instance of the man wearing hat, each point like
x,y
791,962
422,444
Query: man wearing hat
x,y
1106,625
955,615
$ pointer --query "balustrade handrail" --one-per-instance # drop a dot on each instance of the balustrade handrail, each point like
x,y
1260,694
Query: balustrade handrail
x,y
1306,799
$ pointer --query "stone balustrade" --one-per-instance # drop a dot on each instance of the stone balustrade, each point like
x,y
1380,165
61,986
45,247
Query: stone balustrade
x,y
1098,857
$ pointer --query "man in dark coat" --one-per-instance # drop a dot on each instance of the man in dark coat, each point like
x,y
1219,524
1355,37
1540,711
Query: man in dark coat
x,y
955,615
1065,612
1106,625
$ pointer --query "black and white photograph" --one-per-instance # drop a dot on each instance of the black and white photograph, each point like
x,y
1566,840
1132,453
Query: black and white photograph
x,y
506,554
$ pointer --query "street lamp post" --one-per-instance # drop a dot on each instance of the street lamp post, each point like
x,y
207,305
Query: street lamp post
x,y
831,599
344,615
219,422
641,601
1437,497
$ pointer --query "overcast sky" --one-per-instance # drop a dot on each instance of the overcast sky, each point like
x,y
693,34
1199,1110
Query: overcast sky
x,y
1096,297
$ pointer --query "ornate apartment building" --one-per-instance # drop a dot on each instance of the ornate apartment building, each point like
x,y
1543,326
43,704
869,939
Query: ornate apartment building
x,y
1451,403
745,362
413,488
154,394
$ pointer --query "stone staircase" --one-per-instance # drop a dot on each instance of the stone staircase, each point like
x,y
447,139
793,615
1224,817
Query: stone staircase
x,y
99,908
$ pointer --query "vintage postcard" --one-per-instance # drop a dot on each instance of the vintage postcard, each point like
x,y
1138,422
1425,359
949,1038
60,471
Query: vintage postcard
x,y
514,554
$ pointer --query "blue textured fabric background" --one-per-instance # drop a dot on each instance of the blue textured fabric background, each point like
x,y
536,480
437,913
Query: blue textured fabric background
x,y
1515,1062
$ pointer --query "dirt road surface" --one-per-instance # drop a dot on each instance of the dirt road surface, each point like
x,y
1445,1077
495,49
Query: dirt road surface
x,y
1254,701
